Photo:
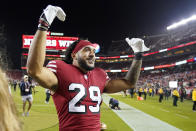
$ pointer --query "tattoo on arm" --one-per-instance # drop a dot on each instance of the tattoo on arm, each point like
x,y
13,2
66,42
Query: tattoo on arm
x,y
134,72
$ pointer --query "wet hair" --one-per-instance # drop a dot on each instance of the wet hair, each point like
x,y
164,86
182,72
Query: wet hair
x,y
68,59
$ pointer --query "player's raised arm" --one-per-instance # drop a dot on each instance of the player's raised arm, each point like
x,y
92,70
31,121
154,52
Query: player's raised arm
x,y
132,75
37,49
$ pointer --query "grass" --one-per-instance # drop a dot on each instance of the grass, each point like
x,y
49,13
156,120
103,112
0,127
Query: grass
x,y
181,116
43,116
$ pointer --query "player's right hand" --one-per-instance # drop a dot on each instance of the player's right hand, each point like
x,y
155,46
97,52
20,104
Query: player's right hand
x,y
137,45
49,15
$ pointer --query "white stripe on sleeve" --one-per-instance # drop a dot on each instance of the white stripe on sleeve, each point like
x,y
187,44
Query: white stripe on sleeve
x,y
51,65
53,70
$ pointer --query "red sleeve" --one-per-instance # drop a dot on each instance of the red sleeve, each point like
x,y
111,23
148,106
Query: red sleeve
x,y
105,74
54,66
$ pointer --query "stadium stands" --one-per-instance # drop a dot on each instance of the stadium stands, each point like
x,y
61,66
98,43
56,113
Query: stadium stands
x,y
185,74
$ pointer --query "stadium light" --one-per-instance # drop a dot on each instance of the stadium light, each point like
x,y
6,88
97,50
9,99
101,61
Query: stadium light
x,y
182,22
149,68
181,62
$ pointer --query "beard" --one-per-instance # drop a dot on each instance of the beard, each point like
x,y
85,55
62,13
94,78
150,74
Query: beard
x,y
83,64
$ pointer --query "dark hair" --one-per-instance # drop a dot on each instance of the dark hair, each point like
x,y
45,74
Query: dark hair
x,y
68,59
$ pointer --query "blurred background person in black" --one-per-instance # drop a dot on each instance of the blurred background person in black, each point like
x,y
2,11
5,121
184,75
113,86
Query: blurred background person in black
x,y
47,96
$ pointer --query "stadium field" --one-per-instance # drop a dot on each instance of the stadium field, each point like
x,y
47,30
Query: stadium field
x,y
181,117
43,116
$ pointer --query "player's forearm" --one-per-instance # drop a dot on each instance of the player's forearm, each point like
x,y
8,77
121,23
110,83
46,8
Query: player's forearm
x,y
36,57
134,72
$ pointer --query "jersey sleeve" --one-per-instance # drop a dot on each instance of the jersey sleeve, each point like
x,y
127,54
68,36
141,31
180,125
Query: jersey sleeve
x,y
102,78
52,65
105,75
56,67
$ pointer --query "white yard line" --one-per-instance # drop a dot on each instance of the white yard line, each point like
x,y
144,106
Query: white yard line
x,y
138,120
164,110
182,116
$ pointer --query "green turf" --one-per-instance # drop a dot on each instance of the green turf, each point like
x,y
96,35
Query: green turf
x,y
43,116
181,117
113,122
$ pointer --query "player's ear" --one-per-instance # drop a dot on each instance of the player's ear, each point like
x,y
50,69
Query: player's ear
x,y
73,55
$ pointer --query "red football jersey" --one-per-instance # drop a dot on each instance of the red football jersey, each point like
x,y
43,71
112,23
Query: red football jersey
x,y
78,96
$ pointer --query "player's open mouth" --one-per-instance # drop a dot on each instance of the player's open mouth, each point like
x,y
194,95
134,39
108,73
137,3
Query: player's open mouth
x,y
90,61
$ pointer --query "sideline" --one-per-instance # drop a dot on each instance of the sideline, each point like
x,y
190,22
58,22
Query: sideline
x,y
138,120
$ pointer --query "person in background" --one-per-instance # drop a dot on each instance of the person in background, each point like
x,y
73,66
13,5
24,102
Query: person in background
x,y
9,120
140,91
131,91
30,80
47,96
194,98
15,84
26,93
160,94
182,94
167,93
175,94
153,91
150,91
145,93
114,104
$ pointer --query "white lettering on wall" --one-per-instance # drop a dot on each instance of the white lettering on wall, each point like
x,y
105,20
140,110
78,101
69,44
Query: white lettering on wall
x,y
28,41
65,43
51,43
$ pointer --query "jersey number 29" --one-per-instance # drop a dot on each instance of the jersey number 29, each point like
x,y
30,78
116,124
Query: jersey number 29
x,y
74,106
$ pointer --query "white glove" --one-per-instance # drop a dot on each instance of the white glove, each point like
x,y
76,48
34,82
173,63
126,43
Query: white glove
x,y
49,15
137,44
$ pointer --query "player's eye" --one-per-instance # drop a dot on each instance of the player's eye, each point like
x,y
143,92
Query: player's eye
x,y
87,49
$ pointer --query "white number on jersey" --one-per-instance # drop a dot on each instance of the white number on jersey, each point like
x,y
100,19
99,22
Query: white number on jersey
x,y
95,96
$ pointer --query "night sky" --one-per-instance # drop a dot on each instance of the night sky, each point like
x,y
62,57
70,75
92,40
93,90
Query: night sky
x,y
100,21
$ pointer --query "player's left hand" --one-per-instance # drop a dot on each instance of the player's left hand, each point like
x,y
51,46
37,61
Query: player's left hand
x,y
137,45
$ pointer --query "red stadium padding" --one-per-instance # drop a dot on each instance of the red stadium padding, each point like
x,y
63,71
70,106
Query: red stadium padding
x,y
152,67
159,66
164,66
49,55
151,53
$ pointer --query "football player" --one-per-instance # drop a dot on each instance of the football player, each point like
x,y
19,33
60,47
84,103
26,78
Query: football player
x,y
76,85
